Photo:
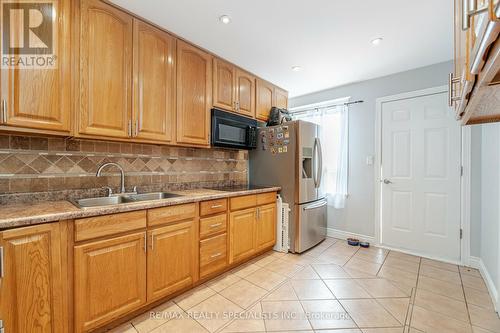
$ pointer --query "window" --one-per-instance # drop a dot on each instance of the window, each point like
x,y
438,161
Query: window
x,y
333,124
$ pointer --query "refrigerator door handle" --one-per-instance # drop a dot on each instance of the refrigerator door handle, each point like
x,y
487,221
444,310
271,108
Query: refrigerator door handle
x,y
316,206
315,163
319,173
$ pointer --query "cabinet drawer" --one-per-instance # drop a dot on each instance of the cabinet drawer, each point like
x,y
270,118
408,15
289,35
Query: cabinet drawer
x,y
171,214
243,202
212,225
266,198
213,207
99,226
213,254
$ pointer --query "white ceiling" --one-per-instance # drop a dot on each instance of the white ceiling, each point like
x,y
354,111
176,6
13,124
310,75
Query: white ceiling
x,y
329,39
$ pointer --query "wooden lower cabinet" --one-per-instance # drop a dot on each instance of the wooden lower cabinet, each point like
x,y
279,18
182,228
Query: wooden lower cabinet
x,y
265,226
241,234
110,279
251,230
213,254
117,271
33,286
172,258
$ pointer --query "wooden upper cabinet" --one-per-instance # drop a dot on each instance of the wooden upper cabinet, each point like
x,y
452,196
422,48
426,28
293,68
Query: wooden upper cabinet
x,y
264,99
33,289
245,93
194,95
106,70
224,90
265,226
172,258
154,84
280,98
39,99
110,279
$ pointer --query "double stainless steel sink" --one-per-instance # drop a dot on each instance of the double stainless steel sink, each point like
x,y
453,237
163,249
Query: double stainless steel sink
x,y
122,199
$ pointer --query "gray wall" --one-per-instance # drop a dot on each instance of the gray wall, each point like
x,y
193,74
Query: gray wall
x,y
490,200
358,216
475,195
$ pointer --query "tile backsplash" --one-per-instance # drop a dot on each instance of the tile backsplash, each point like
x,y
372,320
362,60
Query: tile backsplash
x,y
49,168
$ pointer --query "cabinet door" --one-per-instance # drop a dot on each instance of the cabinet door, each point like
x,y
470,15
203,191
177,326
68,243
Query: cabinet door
x,y
154,83
172,258
224,89
463,41
40,98
265,226
245,93
110,279
280,98
33,289
264,100
106,70
194,95
242,234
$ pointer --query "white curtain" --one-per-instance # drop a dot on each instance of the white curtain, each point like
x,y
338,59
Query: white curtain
x,y
334,135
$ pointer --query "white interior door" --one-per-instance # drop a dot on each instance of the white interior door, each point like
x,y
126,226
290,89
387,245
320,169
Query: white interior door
x,y
421,153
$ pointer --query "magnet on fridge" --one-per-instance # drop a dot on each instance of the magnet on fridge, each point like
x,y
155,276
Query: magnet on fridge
x,y
285,149
280,150
273,151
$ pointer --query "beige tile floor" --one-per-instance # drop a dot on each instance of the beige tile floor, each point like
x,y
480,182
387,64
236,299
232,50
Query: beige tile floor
x,y
332,288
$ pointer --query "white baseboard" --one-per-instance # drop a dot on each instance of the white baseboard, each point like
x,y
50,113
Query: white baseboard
x,y
478,263
340,234
475,262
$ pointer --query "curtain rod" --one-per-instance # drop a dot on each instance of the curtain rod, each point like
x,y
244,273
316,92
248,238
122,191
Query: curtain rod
x,y
326,107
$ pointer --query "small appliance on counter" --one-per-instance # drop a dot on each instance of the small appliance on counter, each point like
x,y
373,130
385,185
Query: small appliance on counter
x,y
289,156
230,130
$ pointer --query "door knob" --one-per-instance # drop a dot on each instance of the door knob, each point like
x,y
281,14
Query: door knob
x,y
387,181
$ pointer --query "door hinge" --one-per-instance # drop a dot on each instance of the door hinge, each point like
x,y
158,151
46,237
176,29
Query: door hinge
x,y
1,326
461,233
2,268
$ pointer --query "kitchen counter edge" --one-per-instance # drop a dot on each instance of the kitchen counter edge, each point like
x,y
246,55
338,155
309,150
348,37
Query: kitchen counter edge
x,y
20,215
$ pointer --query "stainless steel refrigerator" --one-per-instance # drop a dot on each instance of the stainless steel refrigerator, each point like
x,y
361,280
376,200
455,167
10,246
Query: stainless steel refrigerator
x,y
290,156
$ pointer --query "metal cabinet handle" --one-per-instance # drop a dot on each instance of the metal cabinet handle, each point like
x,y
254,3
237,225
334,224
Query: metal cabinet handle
x,y
216,255
152,241
3,118
130,128
215,225
2,268
451,81
469,9
136,132
216,206
387,181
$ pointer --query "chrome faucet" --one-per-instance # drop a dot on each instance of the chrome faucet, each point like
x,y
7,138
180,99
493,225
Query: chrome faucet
x,y
122,175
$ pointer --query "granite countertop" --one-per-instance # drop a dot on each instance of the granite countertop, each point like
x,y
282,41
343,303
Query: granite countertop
x,y
12,216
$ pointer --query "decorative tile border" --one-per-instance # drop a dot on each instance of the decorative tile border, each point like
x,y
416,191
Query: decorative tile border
x,y
47,164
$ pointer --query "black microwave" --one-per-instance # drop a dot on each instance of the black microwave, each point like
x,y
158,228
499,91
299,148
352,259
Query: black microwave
x,y
230,130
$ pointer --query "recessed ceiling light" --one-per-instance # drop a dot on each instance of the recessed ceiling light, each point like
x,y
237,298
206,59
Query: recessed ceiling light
x,y
225,19
296,68
377,41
